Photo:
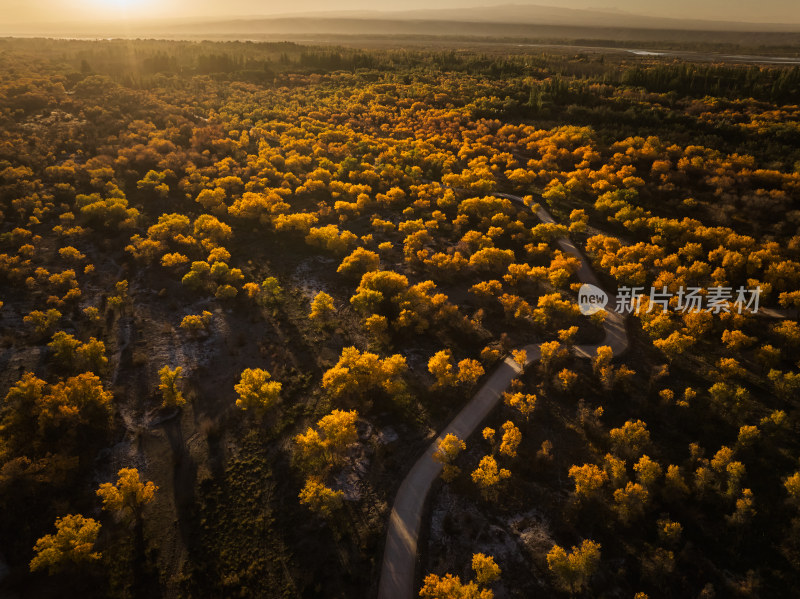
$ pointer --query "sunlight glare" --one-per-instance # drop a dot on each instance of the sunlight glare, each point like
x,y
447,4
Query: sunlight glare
x,y
121,8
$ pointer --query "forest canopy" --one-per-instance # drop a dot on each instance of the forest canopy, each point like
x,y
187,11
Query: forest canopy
x,y
242,284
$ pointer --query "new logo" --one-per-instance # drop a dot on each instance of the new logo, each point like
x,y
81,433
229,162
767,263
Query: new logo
x,y
591,299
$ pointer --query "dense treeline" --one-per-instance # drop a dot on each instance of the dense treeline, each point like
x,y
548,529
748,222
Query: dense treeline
x,y
238,59
772,85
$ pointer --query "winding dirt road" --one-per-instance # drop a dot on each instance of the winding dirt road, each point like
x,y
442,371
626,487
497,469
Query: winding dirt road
x,y
400,553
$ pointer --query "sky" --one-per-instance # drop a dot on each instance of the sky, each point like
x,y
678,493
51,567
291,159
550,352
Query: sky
x,y
49,11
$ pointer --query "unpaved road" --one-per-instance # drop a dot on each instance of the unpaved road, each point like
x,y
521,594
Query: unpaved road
x,y
400,553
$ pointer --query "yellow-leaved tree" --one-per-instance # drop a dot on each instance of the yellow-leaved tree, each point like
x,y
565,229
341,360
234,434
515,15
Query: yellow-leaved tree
x,y
72,544
523,402
356,373
573,570
129,495
170,386
440,366
589,480
325,446
256,390
512,437
317,451
196,323
451,587
488,476
520,356
359,262
631,439
322,308
319,498
792,484
447,451
469,371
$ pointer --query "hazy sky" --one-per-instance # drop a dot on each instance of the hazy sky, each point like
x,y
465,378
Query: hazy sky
x,y
755,11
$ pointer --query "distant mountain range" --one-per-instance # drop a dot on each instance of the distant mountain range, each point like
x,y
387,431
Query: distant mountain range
x,y
547,15
506,20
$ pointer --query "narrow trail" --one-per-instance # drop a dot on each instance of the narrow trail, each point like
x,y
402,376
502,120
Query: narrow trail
x,y
400,553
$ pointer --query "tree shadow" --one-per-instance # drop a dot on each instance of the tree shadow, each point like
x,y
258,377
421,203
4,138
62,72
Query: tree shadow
x,y
184,478
145,572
